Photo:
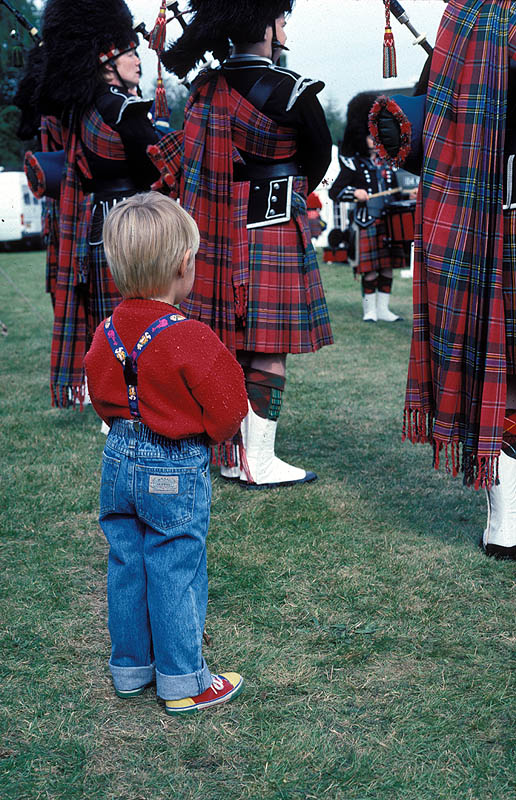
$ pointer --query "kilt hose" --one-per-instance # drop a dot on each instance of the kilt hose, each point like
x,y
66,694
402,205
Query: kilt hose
x,y
374,253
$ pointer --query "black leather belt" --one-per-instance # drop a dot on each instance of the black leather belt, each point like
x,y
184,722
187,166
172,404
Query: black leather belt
x,y
263,172
103,190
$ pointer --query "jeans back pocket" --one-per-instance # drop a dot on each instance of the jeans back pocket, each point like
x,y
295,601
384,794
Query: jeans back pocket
x,y
165,495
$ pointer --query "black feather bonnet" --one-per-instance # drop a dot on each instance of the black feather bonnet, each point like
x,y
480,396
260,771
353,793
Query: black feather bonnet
x,y
75,34
216,25
357,129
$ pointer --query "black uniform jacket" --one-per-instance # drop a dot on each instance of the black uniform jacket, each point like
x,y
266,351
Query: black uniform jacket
x,y
127,114
292,102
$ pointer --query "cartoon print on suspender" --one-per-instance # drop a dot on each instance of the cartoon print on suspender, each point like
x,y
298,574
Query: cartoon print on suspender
x,y
129,362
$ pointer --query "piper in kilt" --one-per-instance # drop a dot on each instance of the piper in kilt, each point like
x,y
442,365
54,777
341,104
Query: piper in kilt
x,y
363,173
87,87
255,142
461,388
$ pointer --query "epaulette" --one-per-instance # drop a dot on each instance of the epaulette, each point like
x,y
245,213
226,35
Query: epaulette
x,y
348,163
300,85
128,101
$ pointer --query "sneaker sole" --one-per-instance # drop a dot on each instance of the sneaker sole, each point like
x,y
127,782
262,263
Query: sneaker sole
x,y
310,477
125,695
181,712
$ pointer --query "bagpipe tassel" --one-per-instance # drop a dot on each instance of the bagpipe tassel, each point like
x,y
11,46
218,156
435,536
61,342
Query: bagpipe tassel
x,y
161,110
158,34
389,50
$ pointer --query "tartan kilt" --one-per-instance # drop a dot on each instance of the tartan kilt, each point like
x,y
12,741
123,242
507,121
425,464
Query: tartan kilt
x,y
509,287
374,254
286,308
103,295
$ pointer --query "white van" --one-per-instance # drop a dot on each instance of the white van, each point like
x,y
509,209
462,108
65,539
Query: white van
x,y
20,211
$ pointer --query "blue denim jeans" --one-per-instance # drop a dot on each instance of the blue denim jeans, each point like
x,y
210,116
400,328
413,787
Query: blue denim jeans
x,y
155,497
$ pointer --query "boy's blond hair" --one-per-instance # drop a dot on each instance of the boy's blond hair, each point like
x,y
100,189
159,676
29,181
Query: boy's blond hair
x,y
145,240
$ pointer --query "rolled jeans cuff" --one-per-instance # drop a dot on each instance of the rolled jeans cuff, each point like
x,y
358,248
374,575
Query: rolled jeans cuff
x,y
125,679
176,687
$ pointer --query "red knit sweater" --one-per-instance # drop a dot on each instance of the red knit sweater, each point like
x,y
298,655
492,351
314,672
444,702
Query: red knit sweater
x,y
188,382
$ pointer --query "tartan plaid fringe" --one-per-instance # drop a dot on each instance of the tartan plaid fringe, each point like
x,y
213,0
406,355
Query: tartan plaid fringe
x,y
65,396
225,454
231,454
417,426
481,472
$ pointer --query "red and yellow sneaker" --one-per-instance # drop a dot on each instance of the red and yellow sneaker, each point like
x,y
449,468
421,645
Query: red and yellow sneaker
x,y
223,688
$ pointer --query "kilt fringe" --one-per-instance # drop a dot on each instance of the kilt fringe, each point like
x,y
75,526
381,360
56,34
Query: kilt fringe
x,y
481,472
417,426
231,453
65,396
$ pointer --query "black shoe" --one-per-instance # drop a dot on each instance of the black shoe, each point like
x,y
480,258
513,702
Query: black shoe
x,y
309,477
498,551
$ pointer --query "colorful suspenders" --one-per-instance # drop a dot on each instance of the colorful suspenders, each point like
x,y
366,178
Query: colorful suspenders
x,y
129,362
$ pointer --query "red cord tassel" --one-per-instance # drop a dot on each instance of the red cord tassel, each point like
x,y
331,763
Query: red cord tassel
x,y
159,32
389,50
161,105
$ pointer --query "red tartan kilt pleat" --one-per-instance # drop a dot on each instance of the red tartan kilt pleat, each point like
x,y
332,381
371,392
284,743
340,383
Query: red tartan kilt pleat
x,y
374,254
286,311
509,287
103,295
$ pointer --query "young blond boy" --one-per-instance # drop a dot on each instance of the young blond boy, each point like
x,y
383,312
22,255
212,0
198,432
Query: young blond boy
x,y
167,387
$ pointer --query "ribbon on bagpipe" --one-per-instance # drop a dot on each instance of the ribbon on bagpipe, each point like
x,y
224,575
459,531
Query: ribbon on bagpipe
x,y
389,50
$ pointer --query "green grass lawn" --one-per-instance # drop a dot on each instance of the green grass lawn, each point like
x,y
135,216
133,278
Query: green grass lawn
x,y
375,638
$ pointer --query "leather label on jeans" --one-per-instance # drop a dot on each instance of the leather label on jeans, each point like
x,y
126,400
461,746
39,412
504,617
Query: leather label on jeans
x,y
163,484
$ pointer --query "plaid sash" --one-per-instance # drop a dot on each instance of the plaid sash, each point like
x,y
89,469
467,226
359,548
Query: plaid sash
x,y
197,164
70,337
456,386
100,138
